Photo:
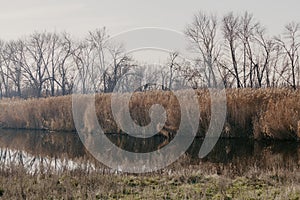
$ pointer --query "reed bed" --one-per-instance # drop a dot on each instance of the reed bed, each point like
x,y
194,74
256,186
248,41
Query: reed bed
x,y
251,113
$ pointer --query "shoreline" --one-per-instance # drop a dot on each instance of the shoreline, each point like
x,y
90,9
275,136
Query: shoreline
x,y
46,131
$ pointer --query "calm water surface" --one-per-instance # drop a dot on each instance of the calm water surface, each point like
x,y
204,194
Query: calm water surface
x,y
59,149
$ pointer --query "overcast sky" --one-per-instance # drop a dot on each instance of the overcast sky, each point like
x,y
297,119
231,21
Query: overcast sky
x,y
21,17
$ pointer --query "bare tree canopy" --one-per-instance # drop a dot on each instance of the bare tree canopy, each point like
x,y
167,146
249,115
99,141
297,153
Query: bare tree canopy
x,y
235,48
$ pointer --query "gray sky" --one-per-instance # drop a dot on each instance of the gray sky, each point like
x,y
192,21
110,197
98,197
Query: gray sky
x,y
21,17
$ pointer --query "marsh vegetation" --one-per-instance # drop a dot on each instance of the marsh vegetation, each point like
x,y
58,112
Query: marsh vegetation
x,y
251,113
257,157
35,165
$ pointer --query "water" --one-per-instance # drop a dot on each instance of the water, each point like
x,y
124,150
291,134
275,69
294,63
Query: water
x,y
60,150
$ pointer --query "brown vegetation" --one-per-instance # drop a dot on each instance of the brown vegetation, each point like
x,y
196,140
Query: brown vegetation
x,y
51,113
257,113
175,182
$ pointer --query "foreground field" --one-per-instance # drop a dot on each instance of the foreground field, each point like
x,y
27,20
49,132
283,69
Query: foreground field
x,y
180,183
259,114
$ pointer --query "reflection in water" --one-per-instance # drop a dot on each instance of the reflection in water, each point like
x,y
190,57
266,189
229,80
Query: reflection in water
x,y
42,143
58,150
37,150
35,163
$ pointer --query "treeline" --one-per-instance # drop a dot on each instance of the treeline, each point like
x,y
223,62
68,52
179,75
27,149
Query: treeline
x,y
234,49
45,64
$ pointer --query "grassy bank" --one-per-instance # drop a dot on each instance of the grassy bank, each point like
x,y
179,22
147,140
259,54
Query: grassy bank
x,y
176,182
261,113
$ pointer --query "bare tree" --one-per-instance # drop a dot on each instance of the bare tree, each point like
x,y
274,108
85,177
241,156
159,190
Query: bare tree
x,y
36,57
98,39
231,27
265,54
121,63
190,75
290,45
100,62
12,57
66,75
53,61
84,60
60,73
4,67
246,34
202,34
172,64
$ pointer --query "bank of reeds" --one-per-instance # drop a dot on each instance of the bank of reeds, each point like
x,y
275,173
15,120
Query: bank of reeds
x,y
53,113
251,113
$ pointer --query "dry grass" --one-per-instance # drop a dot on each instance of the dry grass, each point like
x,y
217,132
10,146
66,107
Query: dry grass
x,y
258,113
201,181
281,118
54,113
